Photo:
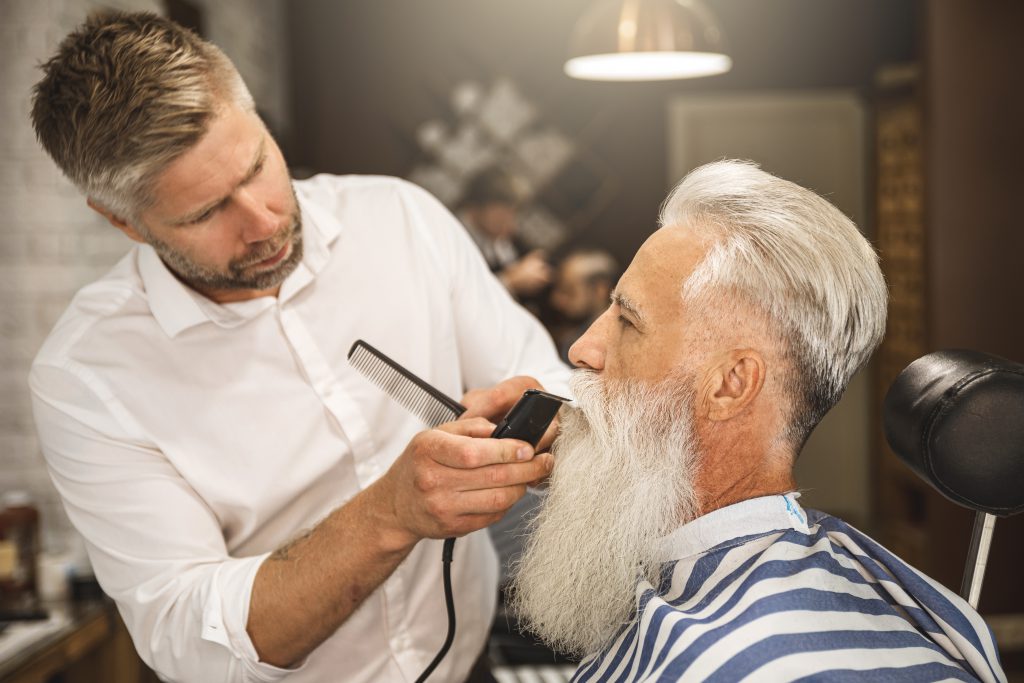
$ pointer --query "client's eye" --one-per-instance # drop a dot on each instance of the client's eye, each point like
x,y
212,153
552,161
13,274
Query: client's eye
x,y
624,321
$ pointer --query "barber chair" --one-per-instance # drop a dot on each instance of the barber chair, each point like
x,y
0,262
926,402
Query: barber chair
x,y
956,418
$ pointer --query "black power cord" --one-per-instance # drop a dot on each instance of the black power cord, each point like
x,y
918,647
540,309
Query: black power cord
x,y
449,603
527,421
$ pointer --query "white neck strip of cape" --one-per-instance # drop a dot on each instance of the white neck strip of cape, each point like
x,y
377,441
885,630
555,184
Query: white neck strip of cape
x,y
752,517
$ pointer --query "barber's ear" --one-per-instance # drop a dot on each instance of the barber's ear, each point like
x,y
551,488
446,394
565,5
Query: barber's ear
x,y
115,220
733,383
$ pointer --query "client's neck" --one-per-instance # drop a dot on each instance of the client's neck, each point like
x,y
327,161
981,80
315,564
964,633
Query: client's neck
x,y
733,469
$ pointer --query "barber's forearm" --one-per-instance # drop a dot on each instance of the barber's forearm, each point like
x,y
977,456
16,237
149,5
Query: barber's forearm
x,y
449,481
306,589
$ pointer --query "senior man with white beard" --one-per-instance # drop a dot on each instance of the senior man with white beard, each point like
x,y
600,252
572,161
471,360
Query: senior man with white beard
x,y
671,545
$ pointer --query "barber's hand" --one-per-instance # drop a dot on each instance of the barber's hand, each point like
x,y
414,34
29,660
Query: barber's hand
x,y
528,275
494,402
453,480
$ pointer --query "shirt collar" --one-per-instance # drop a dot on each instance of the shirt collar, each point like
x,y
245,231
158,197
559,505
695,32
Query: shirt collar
x,y
320,229
172,303
752,517
178,307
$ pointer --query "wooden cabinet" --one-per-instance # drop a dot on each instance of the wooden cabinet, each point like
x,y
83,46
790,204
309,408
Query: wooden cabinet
x,y
93,646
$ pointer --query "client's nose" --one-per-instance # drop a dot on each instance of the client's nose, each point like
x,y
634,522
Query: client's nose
x,y
588,351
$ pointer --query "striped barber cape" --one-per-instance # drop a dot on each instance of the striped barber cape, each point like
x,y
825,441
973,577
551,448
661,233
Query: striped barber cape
x,y
764,591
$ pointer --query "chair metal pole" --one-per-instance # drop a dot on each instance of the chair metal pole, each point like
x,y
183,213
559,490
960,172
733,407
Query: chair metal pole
x,y
977,557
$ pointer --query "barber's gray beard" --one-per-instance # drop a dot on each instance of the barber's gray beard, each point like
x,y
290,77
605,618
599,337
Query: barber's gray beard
x,y
202,278
623,479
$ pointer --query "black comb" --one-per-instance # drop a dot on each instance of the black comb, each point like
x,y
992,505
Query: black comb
x,y
411,392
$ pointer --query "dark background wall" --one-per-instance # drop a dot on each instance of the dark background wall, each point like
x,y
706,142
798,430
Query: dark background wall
x,y
974,150
974,121
365,74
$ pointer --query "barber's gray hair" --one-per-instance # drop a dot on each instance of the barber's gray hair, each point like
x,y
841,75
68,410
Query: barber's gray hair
x,y
124,96
798,260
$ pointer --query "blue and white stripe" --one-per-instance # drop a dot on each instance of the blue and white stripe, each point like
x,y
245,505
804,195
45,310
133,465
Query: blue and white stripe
x,y
760,591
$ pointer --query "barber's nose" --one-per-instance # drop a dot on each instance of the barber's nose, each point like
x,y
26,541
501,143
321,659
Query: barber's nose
x,y
259,222
589,350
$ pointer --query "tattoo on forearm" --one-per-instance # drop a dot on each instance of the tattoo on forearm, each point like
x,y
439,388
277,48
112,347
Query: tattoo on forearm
x,y
283,553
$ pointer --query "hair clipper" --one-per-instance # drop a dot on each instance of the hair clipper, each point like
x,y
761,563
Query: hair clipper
x,y
529,417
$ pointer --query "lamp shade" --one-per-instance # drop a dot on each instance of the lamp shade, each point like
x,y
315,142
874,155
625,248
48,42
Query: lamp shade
x,y
646,40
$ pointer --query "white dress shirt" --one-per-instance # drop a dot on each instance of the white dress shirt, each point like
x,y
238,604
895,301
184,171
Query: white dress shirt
x,y
190,439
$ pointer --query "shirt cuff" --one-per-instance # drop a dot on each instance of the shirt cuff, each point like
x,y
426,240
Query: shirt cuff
x,y
226,614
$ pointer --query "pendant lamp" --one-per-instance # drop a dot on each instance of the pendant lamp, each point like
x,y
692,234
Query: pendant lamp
x,y
646,40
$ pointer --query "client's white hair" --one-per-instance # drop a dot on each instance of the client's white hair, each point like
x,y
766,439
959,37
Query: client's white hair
x,y
796,259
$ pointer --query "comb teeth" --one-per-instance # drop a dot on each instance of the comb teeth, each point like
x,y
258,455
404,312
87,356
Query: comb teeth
x,y
408,390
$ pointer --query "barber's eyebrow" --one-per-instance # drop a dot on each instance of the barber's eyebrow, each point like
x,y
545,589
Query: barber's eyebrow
x,y
254,168
627,304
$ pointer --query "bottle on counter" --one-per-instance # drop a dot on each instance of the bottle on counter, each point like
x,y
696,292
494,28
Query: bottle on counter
x,y
19,550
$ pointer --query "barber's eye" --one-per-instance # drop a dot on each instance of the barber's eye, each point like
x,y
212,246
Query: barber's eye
x,y
624,321
205,216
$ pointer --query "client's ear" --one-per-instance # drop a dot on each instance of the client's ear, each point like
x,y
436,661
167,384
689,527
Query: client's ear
x,y
115,220
733,383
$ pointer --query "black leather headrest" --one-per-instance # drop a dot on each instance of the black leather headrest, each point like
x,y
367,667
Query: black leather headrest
x,y
957,419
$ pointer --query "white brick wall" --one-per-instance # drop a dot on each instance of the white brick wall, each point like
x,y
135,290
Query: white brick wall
x,y
50,242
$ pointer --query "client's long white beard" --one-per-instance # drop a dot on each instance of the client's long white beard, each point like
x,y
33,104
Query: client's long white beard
x,y
623,479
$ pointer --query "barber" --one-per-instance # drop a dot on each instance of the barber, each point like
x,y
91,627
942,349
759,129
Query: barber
x,y
257,509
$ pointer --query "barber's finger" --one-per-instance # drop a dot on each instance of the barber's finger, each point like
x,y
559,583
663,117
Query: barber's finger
x,y
500,476
463,452
476,427
490,501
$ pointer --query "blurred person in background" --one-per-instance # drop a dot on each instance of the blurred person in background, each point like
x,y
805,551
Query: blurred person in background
x,y
489,208
583,283
257,509
671,544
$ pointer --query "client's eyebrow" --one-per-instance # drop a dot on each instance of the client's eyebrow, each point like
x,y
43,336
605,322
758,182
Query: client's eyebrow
x,y
627,304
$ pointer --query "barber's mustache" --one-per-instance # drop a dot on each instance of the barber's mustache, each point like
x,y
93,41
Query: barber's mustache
x,y
269,247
